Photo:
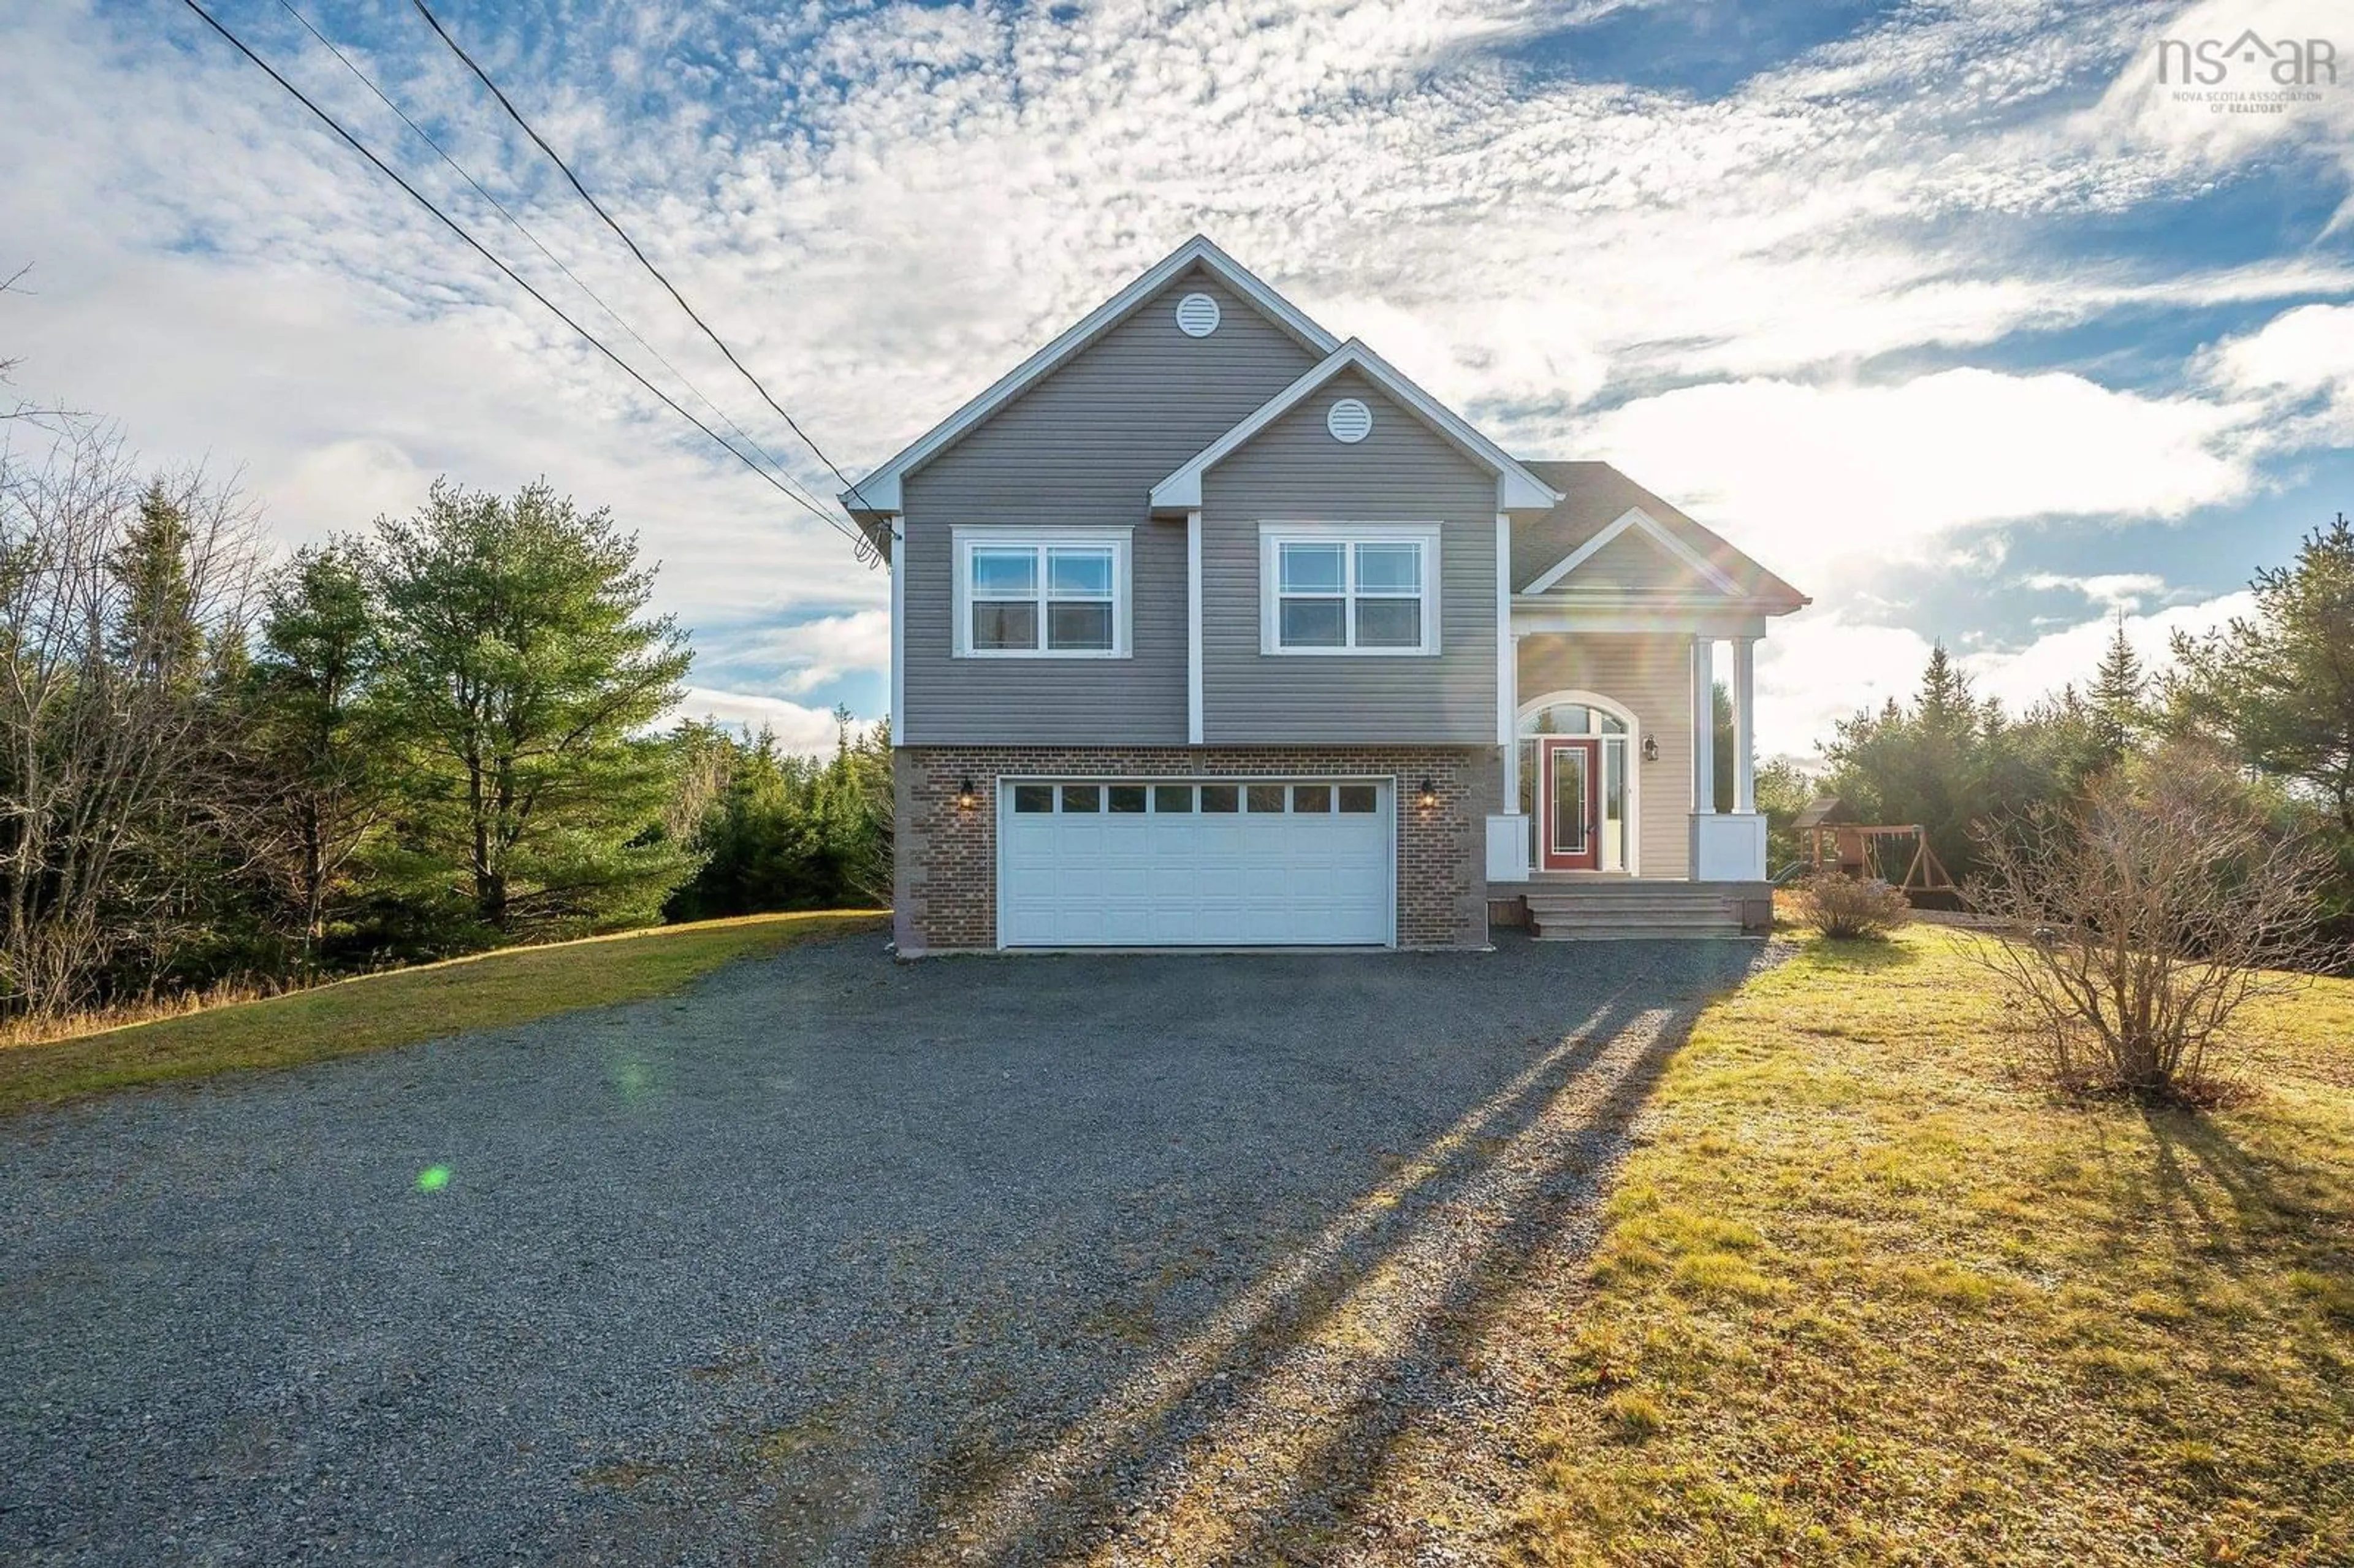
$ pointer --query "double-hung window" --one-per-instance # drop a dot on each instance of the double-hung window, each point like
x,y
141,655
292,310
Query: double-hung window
x,y
1333,588
1042,593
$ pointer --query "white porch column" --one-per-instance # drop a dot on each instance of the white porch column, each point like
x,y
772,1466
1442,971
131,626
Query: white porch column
x,y
1703,721
1508,723
1744,738
1508,831
1726,846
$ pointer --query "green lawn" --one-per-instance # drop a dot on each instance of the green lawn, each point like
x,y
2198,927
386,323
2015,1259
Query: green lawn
x,y
1868,1295
401,1008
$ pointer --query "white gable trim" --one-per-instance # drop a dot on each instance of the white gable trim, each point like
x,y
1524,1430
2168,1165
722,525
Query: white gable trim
x,y
1516,488
879,490
1636,518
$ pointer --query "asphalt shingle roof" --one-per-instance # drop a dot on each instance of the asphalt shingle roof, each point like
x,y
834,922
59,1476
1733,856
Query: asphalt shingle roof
x,y
1594,496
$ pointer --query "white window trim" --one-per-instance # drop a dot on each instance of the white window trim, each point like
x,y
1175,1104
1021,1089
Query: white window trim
x,y
1273,535
1119,541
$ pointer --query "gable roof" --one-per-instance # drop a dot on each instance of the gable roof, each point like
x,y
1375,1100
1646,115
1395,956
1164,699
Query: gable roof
x,y
1516,487
877,494
1595,506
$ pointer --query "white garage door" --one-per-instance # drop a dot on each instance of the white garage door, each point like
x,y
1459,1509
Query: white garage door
x,y
1160,863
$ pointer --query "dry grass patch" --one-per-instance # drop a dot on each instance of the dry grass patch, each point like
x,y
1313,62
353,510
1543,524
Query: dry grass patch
x,y
1870,1295
494,990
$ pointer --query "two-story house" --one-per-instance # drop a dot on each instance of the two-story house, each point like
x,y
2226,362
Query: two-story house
x,y
1209,629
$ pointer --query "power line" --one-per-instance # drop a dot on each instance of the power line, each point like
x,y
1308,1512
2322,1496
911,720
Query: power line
x,y
516,115
517,224
451,224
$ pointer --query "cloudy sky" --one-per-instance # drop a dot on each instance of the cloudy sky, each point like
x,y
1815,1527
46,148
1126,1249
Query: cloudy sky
x,y
1952,314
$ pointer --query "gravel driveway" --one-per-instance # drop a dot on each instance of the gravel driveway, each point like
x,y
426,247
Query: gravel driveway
x,y
829,1260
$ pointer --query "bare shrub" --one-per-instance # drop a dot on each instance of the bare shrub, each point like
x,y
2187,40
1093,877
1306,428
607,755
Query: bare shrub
x,y
1851,907
2141,919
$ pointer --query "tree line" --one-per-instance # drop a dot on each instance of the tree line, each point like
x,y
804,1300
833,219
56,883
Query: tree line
x,y
2270,695
434,736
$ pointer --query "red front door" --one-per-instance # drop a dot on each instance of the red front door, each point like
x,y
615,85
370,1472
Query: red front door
x,y
1568,836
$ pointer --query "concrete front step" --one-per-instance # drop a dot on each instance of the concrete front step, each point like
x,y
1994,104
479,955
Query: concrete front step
x,y
1556,933
1619,913
1630,905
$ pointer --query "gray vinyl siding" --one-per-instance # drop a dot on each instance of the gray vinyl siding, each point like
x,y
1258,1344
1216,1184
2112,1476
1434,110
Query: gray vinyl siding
x,y
1403,473
1083,448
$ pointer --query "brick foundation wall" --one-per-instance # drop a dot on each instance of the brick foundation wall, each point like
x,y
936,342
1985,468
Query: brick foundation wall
x,y
945,896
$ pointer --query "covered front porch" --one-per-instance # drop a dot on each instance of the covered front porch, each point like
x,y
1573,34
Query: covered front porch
x,y
1616,815
1610,773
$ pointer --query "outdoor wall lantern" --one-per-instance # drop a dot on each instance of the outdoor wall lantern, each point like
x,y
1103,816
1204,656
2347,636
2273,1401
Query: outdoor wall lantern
x,y
1429,793
1650,749
967,794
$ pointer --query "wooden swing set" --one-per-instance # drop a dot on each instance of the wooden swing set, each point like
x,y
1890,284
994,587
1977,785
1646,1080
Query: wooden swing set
x,y
1869,849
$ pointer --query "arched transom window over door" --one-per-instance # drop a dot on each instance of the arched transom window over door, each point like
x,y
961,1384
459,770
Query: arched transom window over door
x,y
1596,778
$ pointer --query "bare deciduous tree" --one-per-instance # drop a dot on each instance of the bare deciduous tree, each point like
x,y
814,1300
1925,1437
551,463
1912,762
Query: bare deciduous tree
x,y
8,285
2142,918
112,595
55,419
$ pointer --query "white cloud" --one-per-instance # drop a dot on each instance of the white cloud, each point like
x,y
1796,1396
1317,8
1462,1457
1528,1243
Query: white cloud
x,y
886,207
1818,668
1822,666
2302,362
1864,474
816,653
2116,590
797,728
2185,122
2021,675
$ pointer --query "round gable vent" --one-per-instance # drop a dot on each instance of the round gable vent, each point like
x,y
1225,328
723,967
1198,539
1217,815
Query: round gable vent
x,y
1197,315
1349,421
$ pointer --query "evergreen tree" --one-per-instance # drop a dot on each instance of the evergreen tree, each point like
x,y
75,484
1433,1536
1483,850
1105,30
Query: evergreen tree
x,y
520,663
1784,789
782,832
323,756
2117,704
156,635
1946,707
2279,684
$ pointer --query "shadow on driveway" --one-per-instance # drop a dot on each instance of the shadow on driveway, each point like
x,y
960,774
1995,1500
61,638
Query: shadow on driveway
x,y
829,1260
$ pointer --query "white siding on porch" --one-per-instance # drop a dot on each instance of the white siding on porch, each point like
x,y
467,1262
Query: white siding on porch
x,y
1652,677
